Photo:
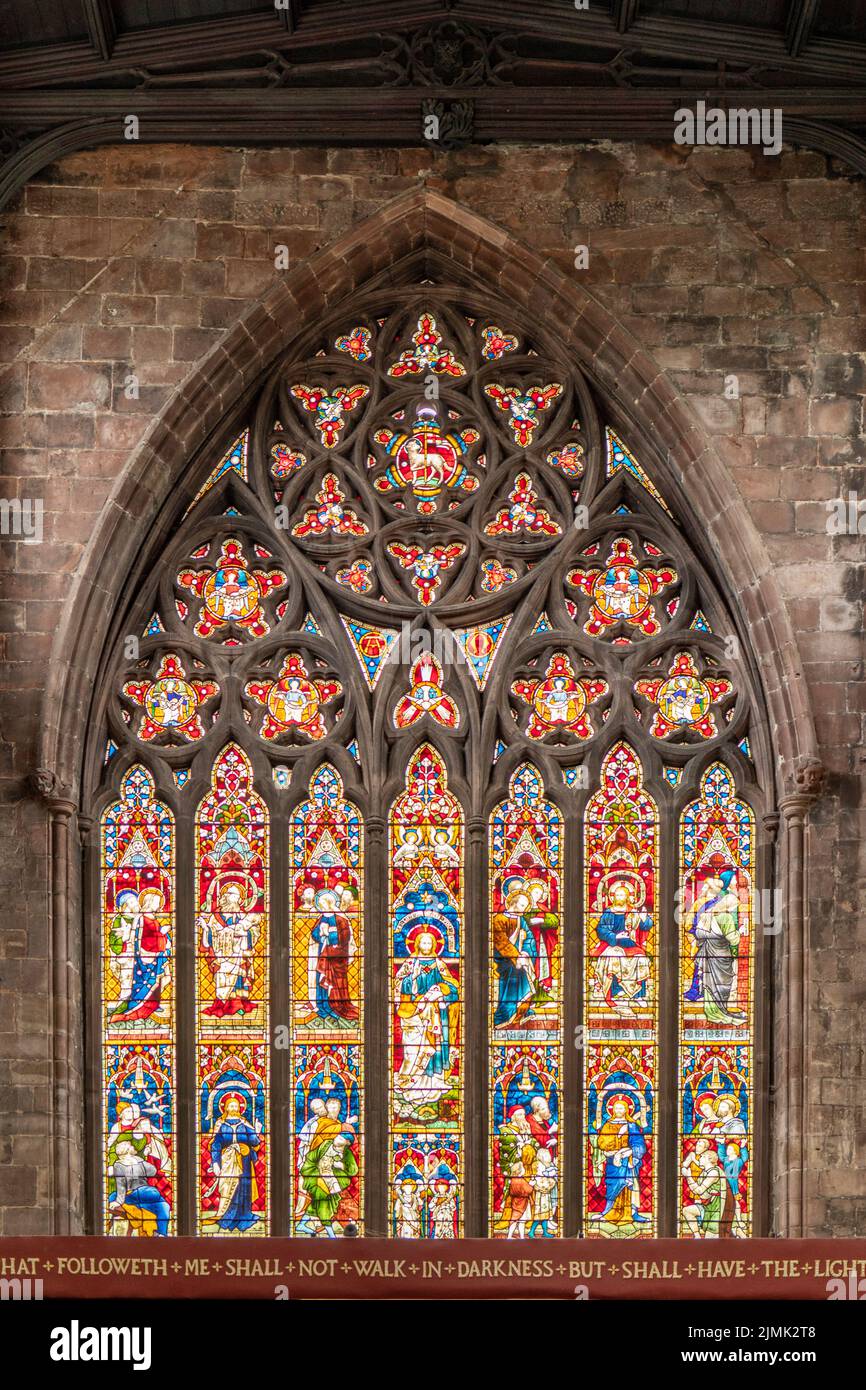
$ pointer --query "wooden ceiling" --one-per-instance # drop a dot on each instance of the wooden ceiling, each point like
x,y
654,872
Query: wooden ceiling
x,y
368,71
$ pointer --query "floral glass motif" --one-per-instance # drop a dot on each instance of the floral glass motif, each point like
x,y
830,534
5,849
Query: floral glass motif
x,y
426,696
326,1010
358,576
569,459
171,703
526,1019
285,461
426,566
232,594
495,343
425,856
427,354
294,700
356,343
558,699
683,698
138,1120
232,1029
623,591
621,1001
524,514
329,408
523,407
427,461
494,575
716,989
330,516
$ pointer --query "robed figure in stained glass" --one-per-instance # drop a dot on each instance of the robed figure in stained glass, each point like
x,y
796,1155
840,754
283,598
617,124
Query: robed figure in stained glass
x,y
716,931
233,1160
516,951
327,1170
140,1166
426,998
138,942
622,967
711,1212
331,949
146,1141
443,1210
135,1195
228,939
621,1142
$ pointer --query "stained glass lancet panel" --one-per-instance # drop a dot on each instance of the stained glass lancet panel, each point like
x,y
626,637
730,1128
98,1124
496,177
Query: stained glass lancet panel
x,y
621,1001
231,858
426,980
327,1024
138,1012
525,1011
716,990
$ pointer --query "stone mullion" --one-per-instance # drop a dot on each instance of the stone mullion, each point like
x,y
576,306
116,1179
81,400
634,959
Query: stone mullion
x,y
475,1050
572,1138
280,1019
186,1048
376,1005
668,1022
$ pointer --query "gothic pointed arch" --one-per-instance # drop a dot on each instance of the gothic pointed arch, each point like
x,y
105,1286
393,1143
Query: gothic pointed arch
x,y
431,535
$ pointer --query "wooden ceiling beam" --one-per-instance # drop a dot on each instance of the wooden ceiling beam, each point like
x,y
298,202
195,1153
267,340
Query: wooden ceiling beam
x,y
99,18
335,23
289,13
506,111
802,16
625,12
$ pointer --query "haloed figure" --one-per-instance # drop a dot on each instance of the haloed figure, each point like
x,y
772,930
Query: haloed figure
x,y
233,1152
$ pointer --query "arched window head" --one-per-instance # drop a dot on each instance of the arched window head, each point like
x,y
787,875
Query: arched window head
x,y
430,760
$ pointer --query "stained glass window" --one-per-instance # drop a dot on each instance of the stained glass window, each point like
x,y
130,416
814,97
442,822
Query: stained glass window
x,y
139,1111
716,991
526,1020
232,1032
430,797
621,993
425,930
326,1007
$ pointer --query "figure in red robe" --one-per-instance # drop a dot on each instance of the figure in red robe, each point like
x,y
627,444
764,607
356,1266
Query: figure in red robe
x,y
331,940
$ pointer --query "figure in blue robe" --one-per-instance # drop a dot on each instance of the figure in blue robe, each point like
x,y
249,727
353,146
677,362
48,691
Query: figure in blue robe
x,y
515,950
233,1156
622,1142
